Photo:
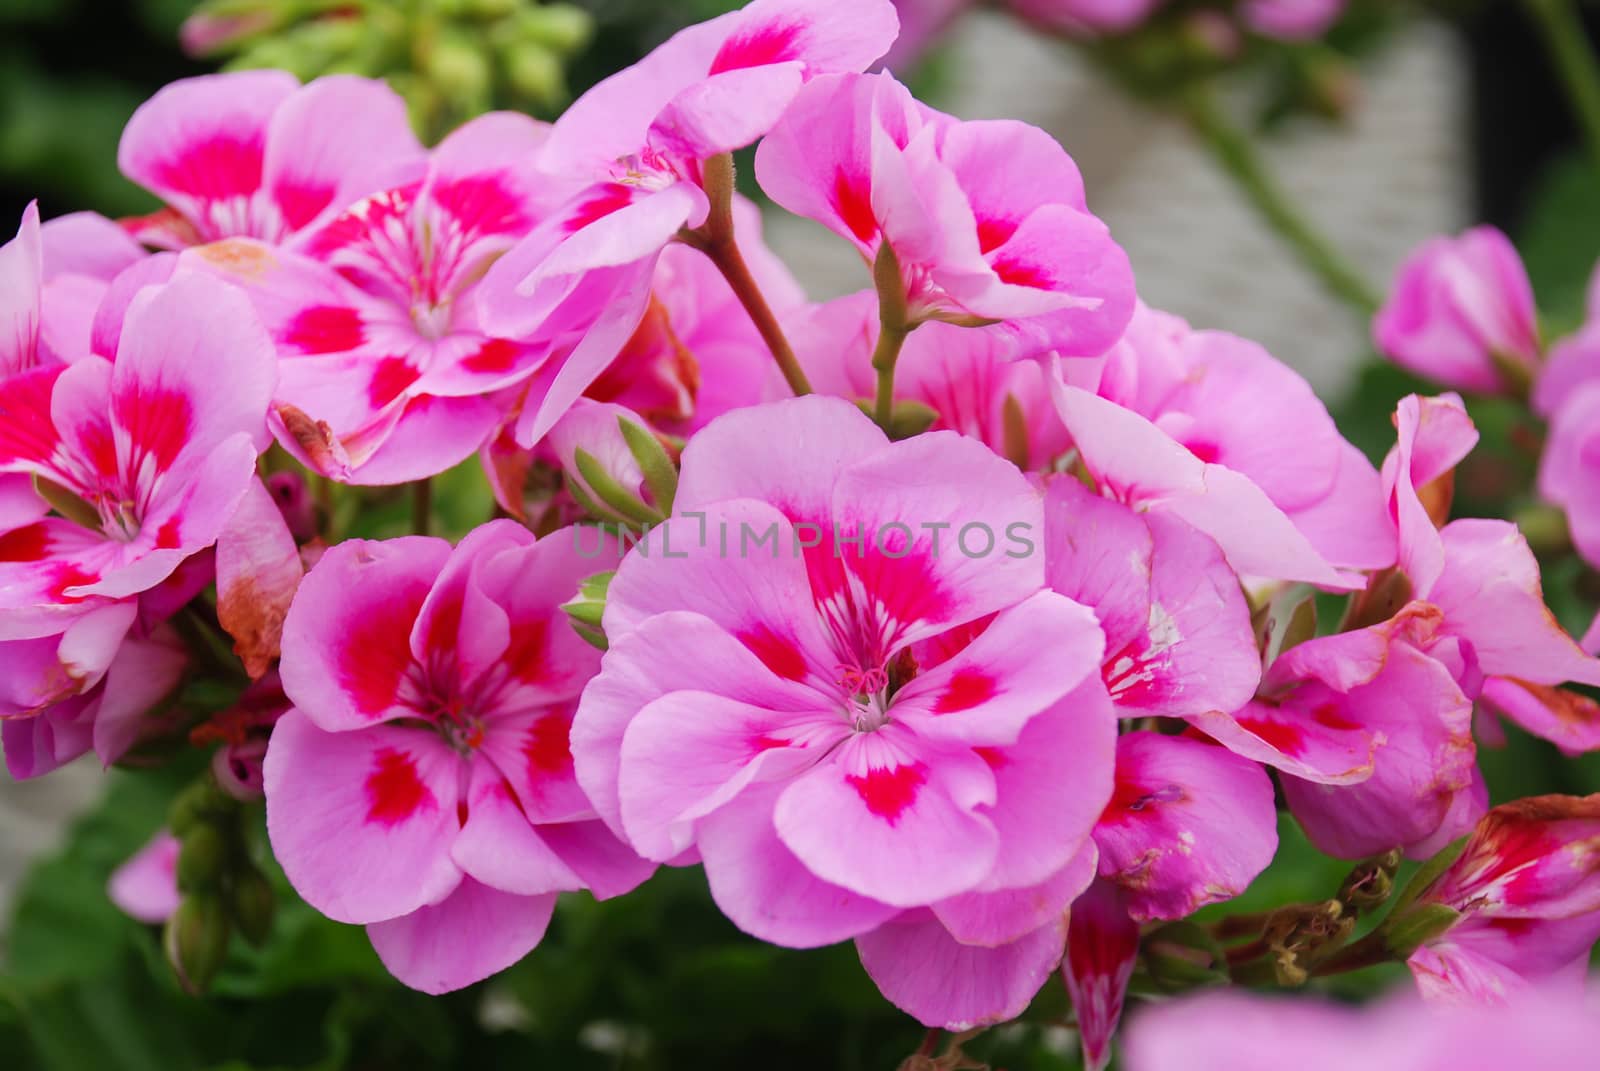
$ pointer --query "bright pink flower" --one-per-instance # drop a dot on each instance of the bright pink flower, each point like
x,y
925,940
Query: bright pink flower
x,y
1460,309
850,700
1292,20
640,139
1528,889
254,154
1194,384
146,886
387,375
423,785
987,220
963,375
1179,642
158,449
1234,1031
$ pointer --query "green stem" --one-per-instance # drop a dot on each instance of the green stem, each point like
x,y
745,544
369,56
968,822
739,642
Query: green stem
x,y
717,241
1568,43
1236,154
422,507
1370,951
892,331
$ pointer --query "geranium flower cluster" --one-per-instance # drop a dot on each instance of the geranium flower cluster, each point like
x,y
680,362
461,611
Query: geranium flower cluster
x,y
969,618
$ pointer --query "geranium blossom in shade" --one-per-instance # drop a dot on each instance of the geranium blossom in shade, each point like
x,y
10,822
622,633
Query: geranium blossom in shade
x,y
986,220
146,886
640,141
1461,313
865,741
423,785
1292,20
1527,886
255,154
387,373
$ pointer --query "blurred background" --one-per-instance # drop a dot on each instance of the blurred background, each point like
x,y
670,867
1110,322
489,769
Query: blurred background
x,y
1432,125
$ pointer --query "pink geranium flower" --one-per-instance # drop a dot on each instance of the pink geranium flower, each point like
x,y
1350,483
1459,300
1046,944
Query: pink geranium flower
x,y
857,723
422,785
976,241
1527,886
156,450
387,373
255,154
640,141
1461,313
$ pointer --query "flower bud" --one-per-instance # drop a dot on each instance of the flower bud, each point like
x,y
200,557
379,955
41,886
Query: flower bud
x,y
1461,313
589,607
196,941
1371,882
202,858
1416,926
535,73
252,905
1182,955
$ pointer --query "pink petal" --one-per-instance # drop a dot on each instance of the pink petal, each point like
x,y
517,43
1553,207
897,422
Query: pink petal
x,y
892,818
146,886
949,533
146,671
474,932
764,888
1569,472
940,982
688,753
1030,657
362,821
668,653
1566,719
34,673
1190,824
199,143
258,571
1490,594
346,639
992,919
87,244
1102,947
1135,462
332,142
1434,435
1043,817
21,279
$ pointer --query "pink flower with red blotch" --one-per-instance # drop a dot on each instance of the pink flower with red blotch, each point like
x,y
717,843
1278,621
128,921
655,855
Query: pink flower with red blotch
x,y
987,220
1527,886
1233,1031
423,785
1193,385
641,139
964,376
1461,313
149,455
854,709
387,374
1189,824
255,154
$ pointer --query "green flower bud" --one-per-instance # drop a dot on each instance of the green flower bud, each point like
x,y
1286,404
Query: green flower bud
x,y
202,858
1416,926
196,941
252,905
